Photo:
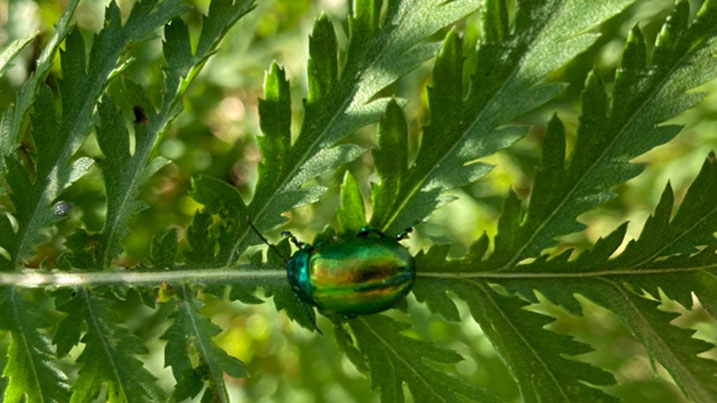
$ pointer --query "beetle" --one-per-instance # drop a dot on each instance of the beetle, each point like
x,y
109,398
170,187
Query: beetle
x,y
352,277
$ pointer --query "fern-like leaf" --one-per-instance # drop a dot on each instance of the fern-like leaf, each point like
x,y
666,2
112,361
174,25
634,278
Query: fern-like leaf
x,y
612,132
536,356
58,137
645,95
124,173
13,118
31,368
190,331
510,63
394,359
381,48
108,355
616,284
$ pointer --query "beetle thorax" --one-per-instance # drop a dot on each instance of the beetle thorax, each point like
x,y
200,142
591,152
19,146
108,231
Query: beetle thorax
x,y
297,271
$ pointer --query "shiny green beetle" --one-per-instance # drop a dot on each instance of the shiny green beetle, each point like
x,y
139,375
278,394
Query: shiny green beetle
x,y
354,277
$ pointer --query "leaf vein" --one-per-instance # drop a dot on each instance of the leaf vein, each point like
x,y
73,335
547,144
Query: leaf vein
x,y
402,360
645,100
497,307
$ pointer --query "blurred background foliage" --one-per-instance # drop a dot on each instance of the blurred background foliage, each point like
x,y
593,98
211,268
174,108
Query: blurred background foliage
x,y
215,135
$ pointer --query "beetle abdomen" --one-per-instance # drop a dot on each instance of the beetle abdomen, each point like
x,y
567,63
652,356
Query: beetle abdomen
x,y
359,276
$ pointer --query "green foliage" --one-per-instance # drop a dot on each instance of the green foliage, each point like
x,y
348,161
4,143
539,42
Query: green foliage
x,y
125,173
618,284
57,138
646,93
13,117
378,53
510,64
108,357
11,51
395,359
30,364
74,305
350,216
190,331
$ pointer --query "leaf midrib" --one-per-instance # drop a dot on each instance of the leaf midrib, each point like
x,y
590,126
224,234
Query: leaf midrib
x,y
199,340
675,240
112,224
26,345
93,320
33,279
564,275
138,162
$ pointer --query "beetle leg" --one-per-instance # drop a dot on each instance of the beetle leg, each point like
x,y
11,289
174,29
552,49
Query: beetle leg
x,y
292,238
404,235
365,231
308,315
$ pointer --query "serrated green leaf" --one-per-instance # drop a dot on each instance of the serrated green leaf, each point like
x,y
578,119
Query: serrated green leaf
x,y
671,346
607,282
390,159
351,215
511,62
652,327
30,220
124,173
163,251
378,53
57,138
536,356
681,276
12,50
394,359
117,166
323,64
223,14
13,118
692,227
108,355
31,368
612,132
190,331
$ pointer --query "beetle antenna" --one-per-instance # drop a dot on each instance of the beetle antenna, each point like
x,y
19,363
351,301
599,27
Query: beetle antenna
x,y
308,315
404,235
251,224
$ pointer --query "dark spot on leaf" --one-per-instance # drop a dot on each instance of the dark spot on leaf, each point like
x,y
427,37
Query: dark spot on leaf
x,y
140,117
